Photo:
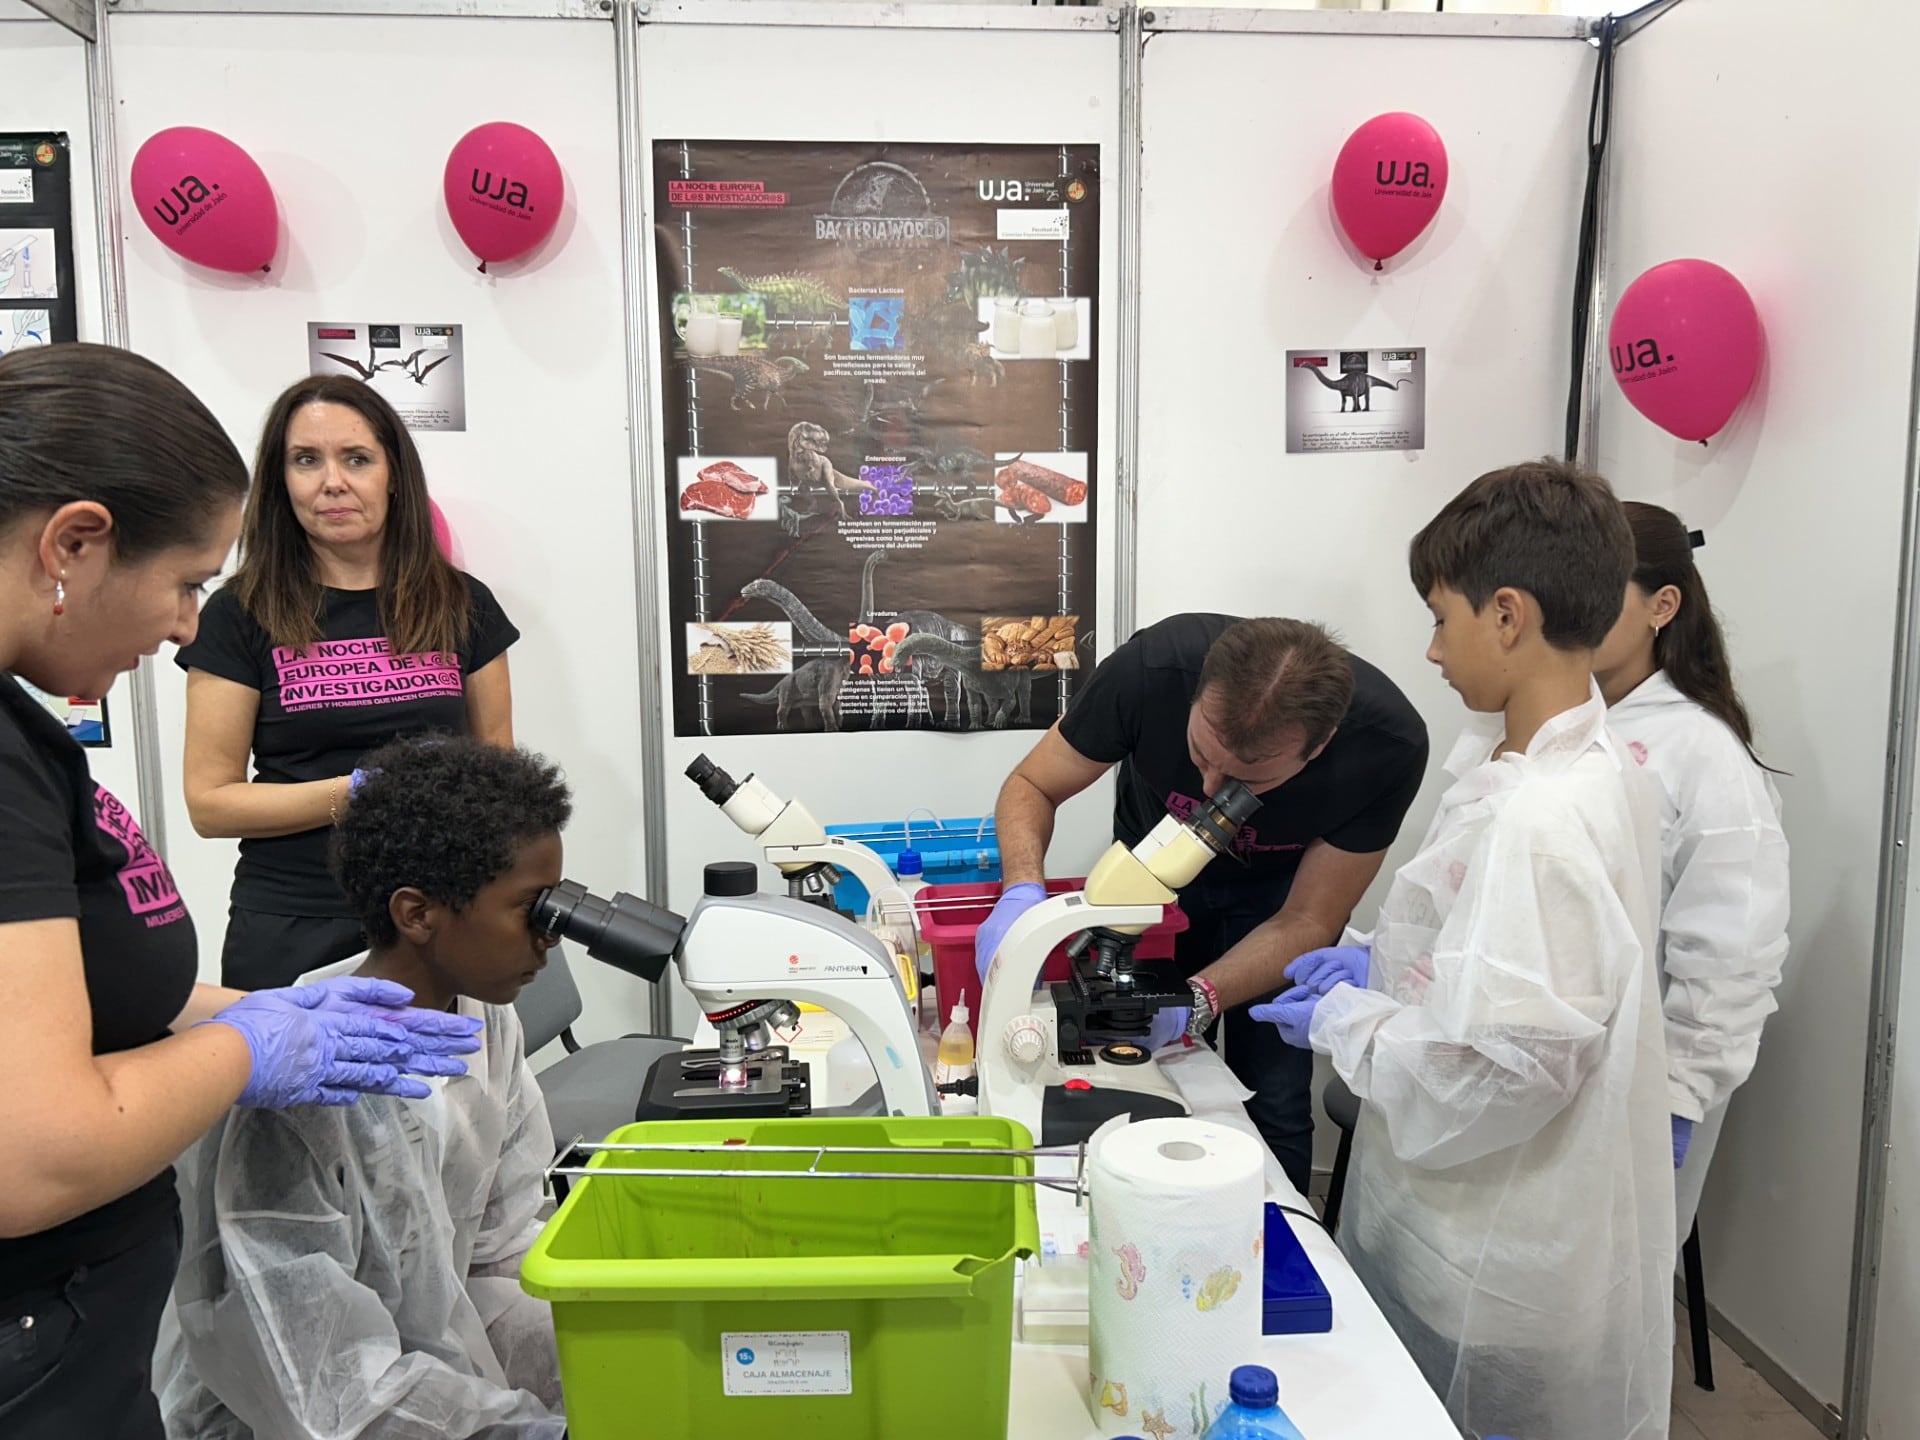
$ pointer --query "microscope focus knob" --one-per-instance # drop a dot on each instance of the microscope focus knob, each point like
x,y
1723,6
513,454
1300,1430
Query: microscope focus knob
x,y
1027,1040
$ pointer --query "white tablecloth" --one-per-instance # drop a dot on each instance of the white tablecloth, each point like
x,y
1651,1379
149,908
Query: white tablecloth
x,y
1356,1382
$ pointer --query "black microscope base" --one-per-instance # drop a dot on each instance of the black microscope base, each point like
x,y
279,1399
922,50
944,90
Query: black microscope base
x,y
1067,1117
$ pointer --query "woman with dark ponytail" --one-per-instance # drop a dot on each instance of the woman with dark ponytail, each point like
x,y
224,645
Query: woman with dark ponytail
x,y
1723,858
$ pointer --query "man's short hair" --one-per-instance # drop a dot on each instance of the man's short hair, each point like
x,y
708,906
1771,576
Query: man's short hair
x,y
445,816
1270,684
1544,526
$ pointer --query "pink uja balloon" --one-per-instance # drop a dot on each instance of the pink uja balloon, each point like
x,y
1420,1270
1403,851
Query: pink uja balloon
x,y
1685,344
1388,183
206,199
503,190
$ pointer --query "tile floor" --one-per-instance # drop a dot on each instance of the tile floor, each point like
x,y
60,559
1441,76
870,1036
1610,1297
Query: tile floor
x,y
1741,1406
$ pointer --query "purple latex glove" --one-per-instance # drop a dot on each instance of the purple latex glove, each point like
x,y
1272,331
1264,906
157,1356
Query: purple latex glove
x,y
1167,1026
1292,1014
357,779
331,1042
1321,970
1014,902
1682,1138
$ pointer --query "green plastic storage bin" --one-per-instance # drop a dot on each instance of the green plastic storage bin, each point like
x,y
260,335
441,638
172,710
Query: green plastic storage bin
x,y
688,1308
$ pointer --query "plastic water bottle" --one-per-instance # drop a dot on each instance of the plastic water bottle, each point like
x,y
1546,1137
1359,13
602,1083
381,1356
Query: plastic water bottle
x,y
1254,1412
955,1060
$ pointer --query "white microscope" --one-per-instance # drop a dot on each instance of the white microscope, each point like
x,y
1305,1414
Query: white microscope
x,y
1036,1061
748,960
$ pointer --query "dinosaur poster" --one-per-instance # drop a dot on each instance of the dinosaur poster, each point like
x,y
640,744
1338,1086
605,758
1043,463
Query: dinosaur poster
x,y
420,370
1348,401
36,241
880,440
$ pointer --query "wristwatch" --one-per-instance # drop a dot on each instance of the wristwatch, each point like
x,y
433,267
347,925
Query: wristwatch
x,y
1206,1005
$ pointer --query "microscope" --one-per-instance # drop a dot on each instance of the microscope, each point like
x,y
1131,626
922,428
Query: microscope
x,y
749,960
795,843
1036,1059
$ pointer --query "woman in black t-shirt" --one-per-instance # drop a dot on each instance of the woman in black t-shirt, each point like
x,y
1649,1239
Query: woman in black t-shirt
x,y
119,498
344,628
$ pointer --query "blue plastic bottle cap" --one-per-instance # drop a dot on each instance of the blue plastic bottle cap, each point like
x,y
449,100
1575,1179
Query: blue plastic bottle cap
x,y
1254,1387
907,863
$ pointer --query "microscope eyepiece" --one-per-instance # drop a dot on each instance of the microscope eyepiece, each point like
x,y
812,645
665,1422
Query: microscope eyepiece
x,y
625,932
1224,813
714,783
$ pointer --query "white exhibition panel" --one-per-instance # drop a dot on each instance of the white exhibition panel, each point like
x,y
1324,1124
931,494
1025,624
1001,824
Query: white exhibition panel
x,y
1242,260
352,119
1801,502
46,89
856,776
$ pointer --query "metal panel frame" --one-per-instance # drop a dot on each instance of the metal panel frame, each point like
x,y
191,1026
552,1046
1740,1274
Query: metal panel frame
x,y
640,447
1419,24
380,9
914,16
1889,939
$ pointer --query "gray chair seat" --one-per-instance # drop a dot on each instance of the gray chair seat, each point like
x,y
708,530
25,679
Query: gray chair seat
x,y
597,1088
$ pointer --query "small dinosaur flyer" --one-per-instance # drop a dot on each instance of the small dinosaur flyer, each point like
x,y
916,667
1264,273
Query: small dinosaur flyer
x,y
880,396
1341,402
420,370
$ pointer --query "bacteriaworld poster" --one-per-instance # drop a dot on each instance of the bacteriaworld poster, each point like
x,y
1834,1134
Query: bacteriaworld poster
x,y
880,401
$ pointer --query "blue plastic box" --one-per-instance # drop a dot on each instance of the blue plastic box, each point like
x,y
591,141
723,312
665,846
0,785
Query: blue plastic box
x,y
1294,1300
952,852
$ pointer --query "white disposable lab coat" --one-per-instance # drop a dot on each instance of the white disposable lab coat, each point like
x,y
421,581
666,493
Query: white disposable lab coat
x,y
1510,1193
1723,907
353,1273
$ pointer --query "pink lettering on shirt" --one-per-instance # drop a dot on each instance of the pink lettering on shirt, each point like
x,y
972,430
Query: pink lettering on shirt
x,y
1246,840
145,879
341,674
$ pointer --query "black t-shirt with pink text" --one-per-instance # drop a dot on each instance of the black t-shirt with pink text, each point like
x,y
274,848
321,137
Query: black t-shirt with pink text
x,y
71,851
323,708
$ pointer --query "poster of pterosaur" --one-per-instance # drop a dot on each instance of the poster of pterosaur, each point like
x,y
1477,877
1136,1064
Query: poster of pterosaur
x,y
419,369
880,455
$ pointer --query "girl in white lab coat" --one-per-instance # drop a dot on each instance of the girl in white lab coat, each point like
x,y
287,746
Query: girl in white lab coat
x,y
1723,858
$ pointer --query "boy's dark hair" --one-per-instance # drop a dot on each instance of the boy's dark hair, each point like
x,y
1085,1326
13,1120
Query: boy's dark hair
x,y
444,816
1273,683
90,422
1544,526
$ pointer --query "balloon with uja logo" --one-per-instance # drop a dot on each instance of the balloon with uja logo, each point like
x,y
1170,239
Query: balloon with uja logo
x,y
1684,343
206,199
503,190
1388,182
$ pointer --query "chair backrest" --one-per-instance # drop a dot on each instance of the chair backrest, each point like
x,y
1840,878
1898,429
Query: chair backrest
x,y
550,1004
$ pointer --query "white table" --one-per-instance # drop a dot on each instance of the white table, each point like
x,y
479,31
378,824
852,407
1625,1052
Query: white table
x,y
1355,1382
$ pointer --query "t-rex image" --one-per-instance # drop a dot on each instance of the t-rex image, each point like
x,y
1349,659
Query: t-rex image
x,y
751,375
810,470
1357,387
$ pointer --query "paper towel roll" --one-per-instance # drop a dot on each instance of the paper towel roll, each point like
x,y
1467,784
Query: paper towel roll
x,y
1174,1299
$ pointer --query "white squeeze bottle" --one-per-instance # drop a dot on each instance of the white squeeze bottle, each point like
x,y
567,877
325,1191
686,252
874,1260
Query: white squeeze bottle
x,y
955,1060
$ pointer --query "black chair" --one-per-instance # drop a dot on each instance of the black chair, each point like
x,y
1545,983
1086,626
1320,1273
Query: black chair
x,y
1343,1109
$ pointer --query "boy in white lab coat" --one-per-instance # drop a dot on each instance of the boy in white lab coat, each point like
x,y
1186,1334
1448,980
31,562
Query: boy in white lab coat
x,y
1510,1196
354,1272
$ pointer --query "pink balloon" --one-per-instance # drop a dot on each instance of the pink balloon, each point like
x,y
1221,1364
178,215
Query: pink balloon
x,y
206,200
443,533
503,190
1685,342
1388,183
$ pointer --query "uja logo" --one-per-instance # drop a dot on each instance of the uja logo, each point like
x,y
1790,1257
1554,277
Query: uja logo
x,y
512,192
1638,355
1388,172
177,204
